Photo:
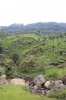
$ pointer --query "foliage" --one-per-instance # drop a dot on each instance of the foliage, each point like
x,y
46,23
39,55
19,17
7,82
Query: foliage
x,y
2,71
36,28
1,49
10,67
2,59
3,35
50,46
59,94
19,92
42,63
15,57
53,76
26,64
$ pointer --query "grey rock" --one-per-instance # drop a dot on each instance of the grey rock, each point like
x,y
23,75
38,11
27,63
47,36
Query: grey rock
x,y
34,91
58,84
39,79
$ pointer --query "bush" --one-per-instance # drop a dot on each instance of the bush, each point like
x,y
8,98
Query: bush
x,y
59,94
10,67
15,57
1,49
2,71
2,59
53,76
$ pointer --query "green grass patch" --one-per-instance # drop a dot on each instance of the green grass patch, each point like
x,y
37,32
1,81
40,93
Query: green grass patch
x,y
18,92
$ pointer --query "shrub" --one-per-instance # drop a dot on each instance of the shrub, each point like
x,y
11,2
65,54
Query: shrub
x,y
1,49
59,94
10,67
53,76
2,71
15,57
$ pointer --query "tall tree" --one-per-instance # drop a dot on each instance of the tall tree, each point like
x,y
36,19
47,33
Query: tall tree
x,y
3,35
42,63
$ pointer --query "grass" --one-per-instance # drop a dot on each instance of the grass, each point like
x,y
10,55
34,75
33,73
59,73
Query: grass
x,y
55,72
18,92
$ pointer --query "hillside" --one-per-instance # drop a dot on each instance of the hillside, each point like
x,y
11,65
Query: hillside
x,y
30,49
29,55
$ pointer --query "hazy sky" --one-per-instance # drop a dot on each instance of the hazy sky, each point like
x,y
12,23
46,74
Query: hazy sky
x,y
31,11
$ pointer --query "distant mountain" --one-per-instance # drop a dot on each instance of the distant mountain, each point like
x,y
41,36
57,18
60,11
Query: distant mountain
x,y
39,27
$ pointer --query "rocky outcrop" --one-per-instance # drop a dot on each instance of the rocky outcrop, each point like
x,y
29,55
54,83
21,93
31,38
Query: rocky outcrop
x,y
39,79
3,79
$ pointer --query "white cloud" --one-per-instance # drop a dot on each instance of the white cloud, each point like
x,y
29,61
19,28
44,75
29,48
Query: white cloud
x,y
30,11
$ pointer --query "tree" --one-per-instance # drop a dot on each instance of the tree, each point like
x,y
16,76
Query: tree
x,y
3,35
26,64
15,57
42,63
10,67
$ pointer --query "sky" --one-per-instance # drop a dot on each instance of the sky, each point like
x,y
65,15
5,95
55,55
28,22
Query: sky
x,y
32,11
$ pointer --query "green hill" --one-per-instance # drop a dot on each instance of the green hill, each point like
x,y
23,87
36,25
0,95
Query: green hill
x,y
51,46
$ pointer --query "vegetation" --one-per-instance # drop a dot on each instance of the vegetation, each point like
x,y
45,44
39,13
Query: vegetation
x,y
21,93
30,55
59,94
3,35
36,28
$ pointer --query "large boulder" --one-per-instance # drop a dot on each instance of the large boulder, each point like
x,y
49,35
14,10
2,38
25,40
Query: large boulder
x,y
17,81
49,84
3,79
39,79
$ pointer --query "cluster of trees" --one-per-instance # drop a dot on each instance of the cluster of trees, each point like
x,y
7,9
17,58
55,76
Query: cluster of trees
x,y
17,64
3,35
36,28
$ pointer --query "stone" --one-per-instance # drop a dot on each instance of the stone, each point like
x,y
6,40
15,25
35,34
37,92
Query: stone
x,y
39,79
18,81
34,91
58,84
49,84
3,79
43,92
35,87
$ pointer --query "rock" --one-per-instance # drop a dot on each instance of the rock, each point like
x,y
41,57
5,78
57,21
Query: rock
x,y
34,91
35,87
64,79
27,83
39,79
18,81
58,84
49,84
3,79
43,92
